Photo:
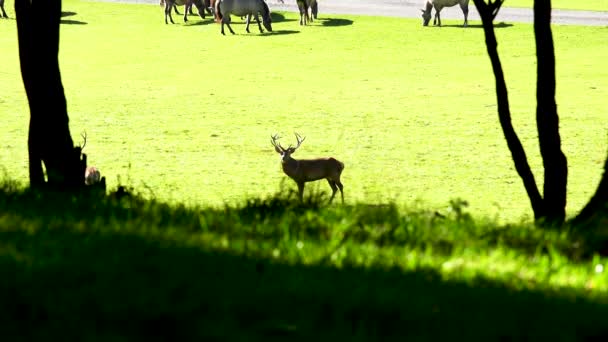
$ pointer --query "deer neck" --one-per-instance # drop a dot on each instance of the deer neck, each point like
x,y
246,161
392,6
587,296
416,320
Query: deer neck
x,y
290,166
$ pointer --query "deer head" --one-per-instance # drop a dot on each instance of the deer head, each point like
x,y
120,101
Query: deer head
x,y
285,152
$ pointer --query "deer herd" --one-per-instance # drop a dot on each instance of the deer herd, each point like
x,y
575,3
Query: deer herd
x,y
222,9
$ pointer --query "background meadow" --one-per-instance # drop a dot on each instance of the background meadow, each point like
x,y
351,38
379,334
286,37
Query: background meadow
x,y
187,113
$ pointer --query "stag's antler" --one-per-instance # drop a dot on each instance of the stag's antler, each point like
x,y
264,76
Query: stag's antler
x,y
274,142
84,137
299,139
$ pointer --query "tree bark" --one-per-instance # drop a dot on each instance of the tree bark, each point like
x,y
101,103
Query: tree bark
x,y
488,13
49,140
547,119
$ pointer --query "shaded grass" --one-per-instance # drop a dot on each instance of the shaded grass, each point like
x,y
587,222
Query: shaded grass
x,y
188,112
90,268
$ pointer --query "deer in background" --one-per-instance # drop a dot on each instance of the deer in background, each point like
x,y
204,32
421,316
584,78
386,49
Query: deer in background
x,y
2,8
309,170
91,173
439,5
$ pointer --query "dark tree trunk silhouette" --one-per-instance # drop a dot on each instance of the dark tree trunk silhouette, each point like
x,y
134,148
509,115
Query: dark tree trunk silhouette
x,y
596,209
547,120
488,13
551,207
49,140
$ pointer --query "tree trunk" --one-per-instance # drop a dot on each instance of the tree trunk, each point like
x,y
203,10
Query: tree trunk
x,y
49,139
547,120
596,210
488,13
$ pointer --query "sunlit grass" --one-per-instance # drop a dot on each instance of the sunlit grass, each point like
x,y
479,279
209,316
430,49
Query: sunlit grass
x,y
187,112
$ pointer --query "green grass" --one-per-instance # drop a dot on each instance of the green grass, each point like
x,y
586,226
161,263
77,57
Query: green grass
x,y
411,111
595,5
86,268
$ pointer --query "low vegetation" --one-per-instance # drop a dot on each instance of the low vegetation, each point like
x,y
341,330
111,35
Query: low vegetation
x,y
129,268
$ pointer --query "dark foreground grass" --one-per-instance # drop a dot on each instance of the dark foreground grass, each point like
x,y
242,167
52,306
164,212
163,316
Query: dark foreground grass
x,y
107,269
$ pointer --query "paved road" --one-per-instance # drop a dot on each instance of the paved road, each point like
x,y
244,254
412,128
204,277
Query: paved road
x,y
411,9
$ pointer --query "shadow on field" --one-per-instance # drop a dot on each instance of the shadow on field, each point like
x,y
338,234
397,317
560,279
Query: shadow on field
x,y
279,18
281,32
335,21
199,22
72,22
62,285
121,271
502,24
69,21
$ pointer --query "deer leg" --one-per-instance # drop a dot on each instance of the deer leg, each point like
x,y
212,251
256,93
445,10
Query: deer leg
x,y
247,20
334,188
257,18
341,187
465,11
3,12
168,13
301,191
175,8
436,16
186,12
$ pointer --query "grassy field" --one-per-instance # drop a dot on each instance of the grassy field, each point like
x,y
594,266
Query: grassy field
x,y
187,113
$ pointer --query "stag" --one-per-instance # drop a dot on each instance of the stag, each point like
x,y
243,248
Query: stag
x,y
91,173
309,170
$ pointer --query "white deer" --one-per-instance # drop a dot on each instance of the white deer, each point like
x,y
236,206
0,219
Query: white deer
x,y
309,170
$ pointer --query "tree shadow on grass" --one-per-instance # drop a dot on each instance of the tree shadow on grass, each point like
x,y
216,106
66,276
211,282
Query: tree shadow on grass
x,y
69,21
64,285
118,272
72,22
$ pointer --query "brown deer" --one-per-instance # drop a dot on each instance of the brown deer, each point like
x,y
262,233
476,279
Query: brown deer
x,y
309,170
91,173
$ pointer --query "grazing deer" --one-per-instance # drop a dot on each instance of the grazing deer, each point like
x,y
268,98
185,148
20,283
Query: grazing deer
x,y
439,5
309,170
243,8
